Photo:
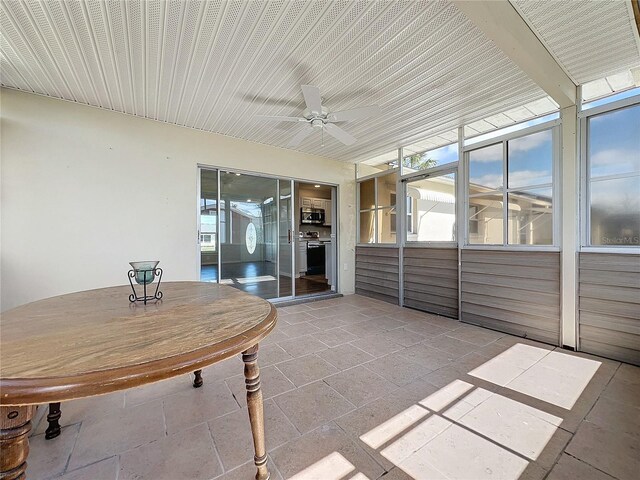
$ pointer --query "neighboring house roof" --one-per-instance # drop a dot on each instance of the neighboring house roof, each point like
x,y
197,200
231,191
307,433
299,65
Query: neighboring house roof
x,y
431,195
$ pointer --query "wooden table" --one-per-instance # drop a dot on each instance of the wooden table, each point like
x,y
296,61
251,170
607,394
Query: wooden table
x,y
96,342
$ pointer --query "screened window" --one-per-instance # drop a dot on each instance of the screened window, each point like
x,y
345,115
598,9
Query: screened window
x,y
510,191
378,209
486,213
414,160
613,177
431,208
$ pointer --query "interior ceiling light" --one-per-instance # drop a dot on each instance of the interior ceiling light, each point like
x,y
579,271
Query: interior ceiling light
x,y
317,186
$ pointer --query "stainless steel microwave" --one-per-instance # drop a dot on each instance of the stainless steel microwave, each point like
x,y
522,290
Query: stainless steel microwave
x,y
312,216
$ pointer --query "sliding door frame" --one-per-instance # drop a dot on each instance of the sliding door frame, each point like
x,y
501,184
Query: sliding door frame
x,y
335,220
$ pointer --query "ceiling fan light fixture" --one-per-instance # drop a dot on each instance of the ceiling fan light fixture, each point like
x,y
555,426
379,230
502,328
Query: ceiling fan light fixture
x,y
317,116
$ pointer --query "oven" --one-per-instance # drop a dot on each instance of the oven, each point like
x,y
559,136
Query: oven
x,y
315,258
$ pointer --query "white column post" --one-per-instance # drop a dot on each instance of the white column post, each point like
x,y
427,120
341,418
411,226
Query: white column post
x,y
401,226
569,226
461,212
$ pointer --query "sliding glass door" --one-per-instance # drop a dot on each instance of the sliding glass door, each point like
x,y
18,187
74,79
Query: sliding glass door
x,y
245,232
209,241
285,235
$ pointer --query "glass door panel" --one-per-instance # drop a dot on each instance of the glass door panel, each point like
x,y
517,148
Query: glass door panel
x,y
285,269
249,233
252,236
209,225
315,239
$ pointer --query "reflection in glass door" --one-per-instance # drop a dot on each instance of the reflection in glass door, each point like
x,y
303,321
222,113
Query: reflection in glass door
x,y
208,231
251,226
249,233
285,235
246,232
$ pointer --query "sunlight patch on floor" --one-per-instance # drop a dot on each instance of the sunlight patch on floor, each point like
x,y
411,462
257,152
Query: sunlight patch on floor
x,y
388,430
458,453
464,431
248,280
558,378
554,377
415,438
359,476
332,467
517,426
510,364
446,395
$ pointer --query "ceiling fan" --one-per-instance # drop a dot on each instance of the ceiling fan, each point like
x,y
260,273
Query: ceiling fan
x,y
317,117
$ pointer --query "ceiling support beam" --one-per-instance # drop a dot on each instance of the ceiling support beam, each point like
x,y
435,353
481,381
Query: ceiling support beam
x,y
635,6
501,23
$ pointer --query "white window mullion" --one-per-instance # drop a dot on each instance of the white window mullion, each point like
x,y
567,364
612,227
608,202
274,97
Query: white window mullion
x,y
505,198
375,210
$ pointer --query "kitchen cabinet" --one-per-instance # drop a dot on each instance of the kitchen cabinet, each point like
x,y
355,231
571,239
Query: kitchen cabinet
x,y
327,212
302,257
329,264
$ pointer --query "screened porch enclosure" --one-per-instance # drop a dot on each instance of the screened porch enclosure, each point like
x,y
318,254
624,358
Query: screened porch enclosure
x,y
473,229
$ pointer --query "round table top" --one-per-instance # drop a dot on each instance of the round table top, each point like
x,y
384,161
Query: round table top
x,y
94,342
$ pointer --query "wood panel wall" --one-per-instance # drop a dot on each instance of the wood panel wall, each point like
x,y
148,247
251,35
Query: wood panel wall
x,y
431,280
514,292
377,273
609,305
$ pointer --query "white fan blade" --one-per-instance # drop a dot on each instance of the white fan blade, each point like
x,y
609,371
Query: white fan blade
x,y
281,119
301,135
354,114
312,98
339,134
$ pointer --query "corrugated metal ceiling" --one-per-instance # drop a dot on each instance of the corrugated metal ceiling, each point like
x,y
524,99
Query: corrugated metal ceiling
x,y
214,65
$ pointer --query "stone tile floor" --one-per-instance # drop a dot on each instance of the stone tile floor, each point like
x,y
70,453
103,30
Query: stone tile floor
x,y
357,389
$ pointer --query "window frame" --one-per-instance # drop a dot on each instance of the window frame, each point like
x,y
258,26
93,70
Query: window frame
x,y
376,209
554,126
585,179
438,171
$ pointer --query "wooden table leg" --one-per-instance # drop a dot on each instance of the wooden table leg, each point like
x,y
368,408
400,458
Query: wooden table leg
x,y
197,381
256,412
15,425
53,417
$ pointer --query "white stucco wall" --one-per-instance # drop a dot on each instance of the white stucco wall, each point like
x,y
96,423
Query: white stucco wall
x,y
84,191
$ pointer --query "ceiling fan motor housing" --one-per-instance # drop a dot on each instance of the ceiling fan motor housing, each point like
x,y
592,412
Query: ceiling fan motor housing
x,y
309,115
318,117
